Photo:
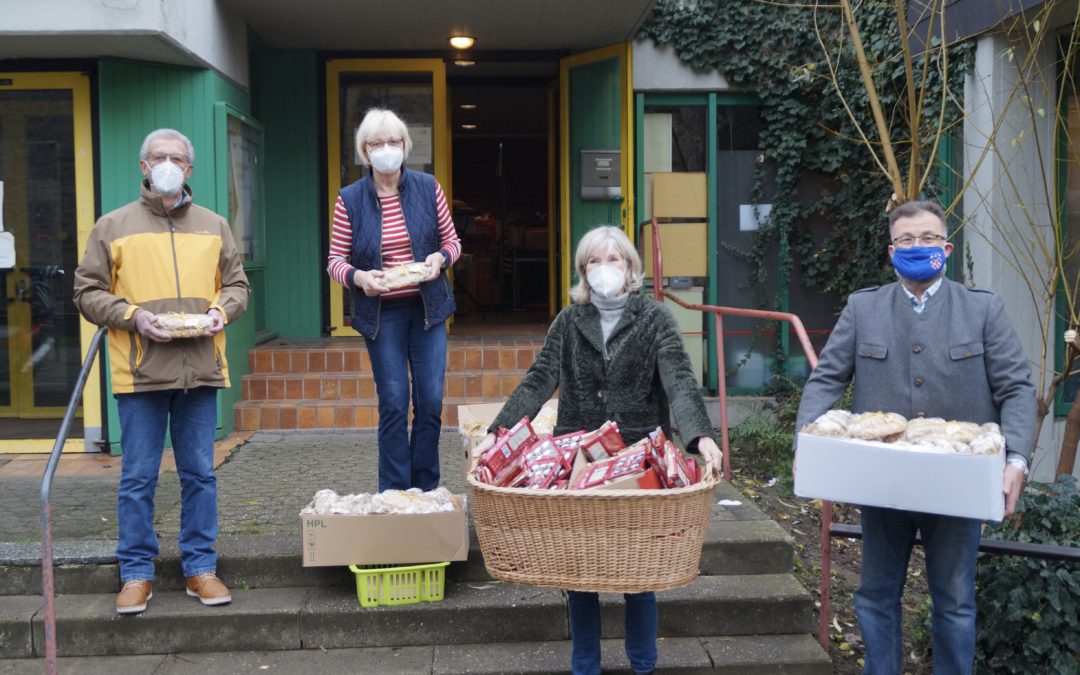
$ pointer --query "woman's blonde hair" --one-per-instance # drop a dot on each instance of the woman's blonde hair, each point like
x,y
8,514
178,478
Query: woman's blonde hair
x,y
602,238
380,122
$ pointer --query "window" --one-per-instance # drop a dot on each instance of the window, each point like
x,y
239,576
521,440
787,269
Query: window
x,y
239,197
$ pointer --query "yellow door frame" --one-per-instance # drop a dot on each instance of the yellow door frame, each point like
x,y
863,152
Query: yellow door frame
x,y
79,84
335,68
622,51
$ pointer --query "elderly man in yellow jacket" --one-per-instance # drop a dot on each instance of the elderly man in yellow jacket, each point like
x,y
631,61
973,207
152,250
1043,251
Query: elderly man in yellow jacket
x,y
147,263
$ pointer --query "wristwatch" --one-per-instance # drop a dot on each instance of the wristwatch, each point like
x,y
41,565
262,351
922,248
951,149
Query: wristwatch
x,y
1020,463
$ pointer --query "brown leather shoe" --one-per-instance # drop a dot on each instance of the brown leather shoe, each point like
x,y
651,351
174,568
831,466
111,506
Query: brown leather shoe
x,y
133,597
208,589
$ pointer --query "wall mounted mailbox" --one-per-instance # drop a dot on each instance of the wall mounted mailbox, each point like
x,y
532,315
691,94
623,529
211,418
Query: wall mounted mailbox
x,y
600,175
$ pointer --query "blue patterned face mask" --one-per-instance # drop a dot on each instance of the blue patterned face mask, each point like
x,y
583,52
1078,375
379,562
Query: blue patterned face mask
x,y
919,263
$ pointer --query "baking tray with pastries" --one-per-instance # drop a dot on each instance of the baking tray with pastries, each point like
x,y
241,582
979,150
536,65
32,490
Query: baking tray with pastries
x,y
924,434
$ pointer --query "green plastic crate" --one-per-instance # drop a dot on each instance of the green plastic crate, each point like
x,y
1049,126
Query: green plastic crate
x,y
391,585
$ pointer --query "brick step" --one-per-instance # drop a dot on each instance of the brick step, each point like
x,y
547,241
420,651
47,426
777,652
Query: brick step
x,y
328,617
341,414
732,547
344,386
349,355
731,655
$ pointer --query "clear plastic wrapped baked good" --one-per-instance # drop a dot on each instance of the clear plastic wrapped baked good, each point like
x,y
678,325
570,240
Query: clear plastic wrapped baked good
x,y
878,426
182,325
404,275
833,423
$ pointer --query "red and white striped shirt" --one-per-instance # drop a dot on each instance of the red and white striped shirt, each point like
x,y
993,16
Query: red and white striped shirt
x,y
396,246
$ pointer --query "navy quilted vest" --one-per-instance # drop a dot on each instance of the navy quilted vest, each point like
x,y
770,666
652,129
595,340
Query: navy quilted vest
x,y
417,192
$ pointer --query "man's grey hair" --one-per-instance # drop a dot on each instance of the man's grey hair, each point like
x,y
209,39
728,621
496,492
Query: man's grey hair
x,y
166,135
914,208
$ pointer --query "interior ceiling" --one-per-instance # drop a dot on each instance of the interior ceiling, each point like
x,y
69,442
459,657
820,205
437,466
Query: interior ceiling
x,y
425,25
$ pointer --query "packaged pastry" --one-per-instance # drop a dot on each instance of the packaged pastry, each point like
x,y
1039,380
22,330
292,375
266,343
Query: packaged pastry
x,y
181,325
602,443
404,275
509,446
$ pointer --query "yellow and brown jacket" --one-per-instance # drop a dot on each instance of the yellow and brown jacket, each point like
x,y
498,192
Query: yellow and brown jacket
x,y
184,260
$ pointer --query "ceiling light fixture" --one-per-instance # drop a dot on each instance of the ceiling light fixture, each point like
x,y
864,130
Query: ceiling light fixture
x,y
464,63
468,106
462,41
468,126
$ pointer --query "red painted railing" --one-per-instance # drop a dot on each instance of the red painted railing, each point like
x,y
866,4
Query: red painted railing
x,y
811,358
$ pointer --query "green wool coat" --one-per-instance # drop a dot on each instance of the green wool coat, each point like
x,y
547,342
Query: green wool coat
x,y
646,372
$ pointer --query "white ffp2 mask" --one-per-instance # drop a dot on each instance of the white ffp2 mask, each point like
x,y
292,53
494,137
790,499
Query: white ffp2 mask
x,y
387,159
606,281
166,178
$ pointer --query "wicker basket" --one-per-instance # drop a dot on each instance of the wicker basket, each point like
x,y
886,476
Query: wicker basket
x,y
626,541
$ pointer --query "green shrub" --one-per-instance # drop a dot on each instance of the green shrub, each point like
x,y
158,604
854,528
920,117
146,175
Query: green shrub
x,y
1029,609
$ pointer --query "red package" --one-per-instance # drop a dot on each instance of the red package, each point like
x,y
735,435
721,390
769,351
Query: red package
x,y
509,473
591,476
544,451
507,448
483,475
675,469
657,438
604,442
542,474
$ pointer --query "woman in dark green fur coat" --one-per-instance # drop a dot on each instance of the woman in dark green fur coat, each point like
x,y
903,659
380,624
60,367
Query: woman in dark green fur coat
x,y
617,355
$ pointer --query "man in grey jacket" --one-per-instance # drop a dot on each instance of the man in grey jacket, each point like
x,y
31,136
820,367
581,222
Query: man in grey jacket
x,y
925,347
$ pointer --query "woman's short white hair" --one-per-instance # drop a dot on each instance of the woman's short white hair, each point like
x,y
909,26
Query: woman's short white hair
x,y
166,135
599,240
380,123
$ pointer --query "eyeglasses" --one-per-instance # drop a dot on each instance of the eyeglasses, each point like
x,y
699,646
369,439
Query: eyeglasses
x,y
392,142
907,240
158,158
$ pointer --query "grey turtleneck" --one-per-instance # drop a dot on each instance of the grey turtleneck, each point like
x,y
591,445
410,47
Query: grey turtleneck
x,y
610,310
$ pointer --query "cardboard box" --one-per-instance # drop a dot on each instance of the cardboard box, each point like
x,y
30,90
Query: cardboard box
x,y
480,416
401,539
680,195
685,248
878,474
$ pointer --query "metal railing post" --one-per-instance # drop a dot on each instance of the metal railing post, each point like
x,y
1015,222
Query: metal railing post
x,y
47,585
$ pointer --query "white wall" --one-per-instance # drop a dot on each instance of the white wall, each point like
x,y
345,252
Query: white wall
x,y
184,32
660,68
1008,229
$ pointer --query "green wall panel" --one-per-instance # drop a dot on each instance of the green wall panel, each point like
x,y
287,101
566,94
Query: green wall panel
x,y
295,260
595,109
133,99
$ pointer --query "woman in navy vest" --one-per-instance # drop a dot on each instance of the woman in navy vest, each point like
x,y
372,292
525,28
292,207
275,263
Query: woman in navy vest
x,y
396,216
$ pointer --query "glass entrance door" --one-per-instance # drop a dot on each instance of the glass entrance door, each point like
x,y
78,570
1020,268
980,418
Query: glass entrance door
x,y
46,187
415,89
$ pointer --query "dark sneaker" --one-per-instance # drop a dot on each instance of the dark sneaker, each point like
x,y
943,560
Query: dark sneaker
x,y
133,597
208,589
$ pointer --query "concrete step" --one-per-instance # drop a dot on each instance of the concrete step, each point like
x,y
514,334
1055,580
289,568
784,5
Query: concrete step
x,y
762,655
737,547
331,618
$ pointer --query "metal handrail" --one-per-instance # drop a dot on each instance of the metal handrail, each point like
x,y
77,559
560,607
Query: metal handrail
x,y
47,586
1023,549
811,359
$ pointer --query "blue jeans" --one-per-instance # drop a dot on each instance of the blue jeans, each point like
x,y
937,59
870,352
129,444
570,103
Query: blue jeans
x,y
191,417
951,545
402,345
585,631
